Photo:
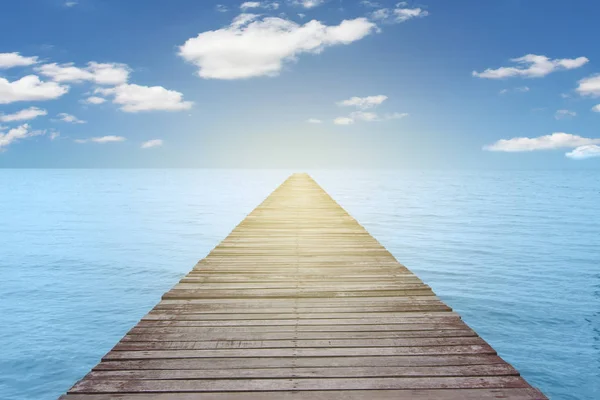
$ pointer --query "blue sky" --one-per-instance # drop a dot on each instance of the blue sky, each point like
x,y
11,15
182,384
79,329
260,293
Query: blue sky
x,y
300,84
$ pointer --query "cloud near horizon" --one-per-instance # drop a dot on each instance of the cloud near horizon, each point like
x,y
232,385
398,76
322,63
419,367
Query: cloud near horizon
x,y
252,46
557,140
532,66
584,152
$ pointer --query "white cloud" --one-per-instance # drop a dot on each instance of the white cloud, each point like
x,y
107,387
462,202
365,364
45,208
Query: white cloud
x,y
404,14
381,14
343,121
308,3
583,152
71,3
532,66
54,135
99,73
596,108
257,4
564,114
102,139
250,4
557,140
94,100
23,115
70,118
221,8
314,121
10,60
398,14
29,88
251,47
589,86
152,143
136,98
363,102
19,133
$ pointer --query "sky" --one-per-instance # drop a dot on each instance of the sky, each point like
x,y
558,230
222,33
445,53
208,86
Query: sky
x,y
438,84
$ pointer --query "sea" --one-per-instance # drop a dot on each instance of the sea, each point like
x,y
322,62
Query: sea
x,y
85,253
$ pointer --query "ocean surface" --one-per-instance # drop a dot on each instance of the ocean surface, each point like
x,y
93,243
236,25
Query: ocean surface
x,y
84,254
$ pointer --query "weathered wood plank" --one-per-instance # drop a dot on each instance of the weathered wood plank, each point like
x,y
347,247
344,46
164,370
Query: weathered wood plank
x,y
297,343
419,394
246,385
341,372
292,362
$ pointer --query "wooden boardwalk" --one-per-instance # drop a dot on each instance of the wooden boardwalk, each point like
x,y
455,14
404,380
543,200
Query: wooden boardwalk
x,y
300,302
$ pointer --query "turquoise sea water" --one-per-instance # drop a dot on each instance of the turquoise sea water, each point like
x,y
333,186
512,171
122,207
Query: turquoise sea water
x,y
84,254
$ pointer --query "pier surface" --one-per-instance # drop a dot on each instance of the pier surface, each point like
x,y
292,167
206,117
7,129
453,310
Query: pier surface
x,y
300,302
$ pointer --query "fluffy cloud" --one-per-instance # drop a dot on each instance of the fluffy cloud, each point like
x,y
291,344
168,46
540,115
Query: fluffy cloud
x,y
70,118
589,86
19,133
343,121
102,139
10,60
71,3
257,4
251,47
94,100
548,142
221,8
564,114
583,152
314,121
363,102
404,14
99,73
532,66
596,108
152,143
29,88
136,98
23,115
398,14
307,3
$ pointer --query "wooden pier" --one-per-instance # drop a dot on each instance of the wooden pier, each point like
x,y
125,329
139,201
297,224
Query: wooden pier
x,y
300,302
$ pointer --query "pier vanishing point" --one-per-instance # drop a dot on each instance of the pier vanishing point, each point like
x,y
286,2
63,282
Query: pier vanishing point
x,y
301,302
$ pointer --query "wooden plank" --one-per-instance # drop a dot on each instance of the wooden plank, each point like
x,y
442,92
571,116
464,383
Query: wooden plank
x,y
301,352
153,336
300,302
309,372
296,343
420,394
245,385
291,362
